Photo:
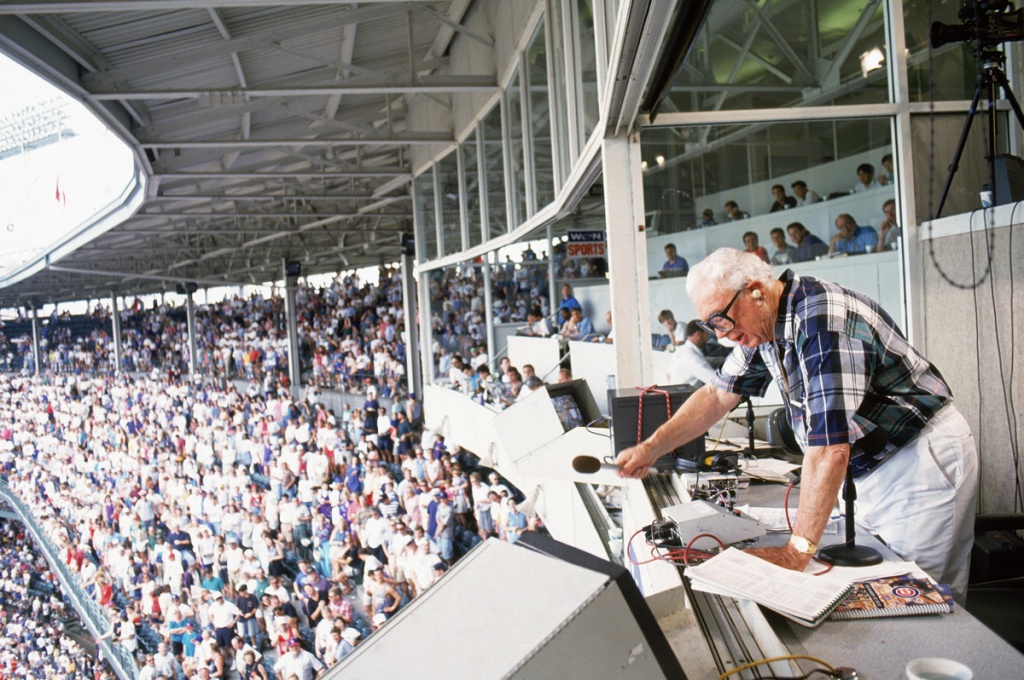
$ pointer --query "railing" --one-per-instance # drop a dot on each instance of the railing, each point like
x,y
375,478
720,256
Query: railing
x,y
93,617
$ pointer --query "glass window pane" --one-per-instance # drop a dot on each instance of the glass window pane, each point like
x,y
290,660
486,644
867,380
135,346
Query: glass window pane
x,y
697,169
494,173
784,55
448,173
562,97
426,223
588,106
945,73
517,178
472,197
540,119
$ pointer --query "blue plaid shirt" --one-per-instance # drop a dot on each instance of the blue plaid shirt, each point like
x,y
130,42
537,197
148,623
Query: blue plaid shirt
x,y
846,373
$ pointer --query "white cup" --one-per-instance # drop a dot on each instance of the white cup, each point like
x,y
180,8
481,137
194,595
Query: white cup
x,y
986,199
938,669
869,249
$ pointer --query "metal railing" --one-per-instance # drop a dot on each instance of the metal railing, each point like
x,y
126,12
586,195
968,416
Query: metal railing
x,y
93,616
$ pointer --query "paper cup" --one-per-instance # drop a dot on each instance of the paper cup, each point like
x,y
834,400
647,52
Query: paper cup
x,y
938,669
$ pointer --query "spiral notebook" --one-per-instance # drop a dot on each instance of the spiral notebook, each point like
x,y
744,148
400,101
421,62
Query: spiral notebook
x,y
894,596
802,597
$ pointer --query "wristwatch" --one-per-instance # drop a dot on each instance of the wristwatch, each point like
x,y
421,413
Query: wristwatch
x,y
803,545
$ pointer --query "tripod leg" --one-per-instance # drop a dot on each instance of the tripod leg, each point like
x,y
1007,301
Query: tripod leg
x,y
998,79
955,165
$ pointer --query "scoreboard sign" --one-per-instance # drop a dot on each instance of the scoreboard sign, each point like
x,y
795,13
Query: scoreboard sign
x,y
585,244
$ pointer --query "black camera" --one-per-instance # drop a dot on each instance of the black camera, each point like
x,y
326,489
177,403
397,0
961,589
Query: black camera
x,y
990,22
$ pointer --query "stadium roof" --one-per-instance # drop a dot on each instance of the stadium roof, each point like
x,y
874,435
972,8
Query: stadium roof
x,y
262,131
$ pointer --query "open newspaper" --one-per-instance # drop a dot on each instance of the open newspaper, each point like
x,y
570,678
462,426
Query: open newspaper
x,y
802,597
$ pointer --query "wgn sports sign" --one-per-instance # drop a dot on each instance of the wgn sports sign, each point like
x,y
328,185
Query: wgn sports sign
x,y
585,244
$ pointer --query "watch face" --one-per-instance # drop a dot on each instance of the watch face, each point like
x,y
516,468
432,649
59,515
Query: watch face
x,y
802,544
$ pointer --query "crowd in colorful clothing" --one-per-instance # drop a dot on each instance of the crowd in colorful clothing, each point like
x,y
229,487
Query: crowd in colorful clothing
x,y
215,521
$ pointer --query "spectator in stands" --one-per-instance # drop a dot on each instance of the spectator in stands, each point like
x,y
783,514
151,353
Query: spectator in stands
x,y
610,337
538,325
564,375
865,179
515,522
751,246
784,253
689,366
298,663
673,262
582,326
568,301
803,195
889,233
782,201
889,176
251,668
851,238
733,212
808,246
676,333
707,219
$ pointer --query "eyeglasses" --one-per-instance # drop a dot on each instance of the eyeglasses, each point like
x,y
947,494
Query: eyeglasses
x,y
721,321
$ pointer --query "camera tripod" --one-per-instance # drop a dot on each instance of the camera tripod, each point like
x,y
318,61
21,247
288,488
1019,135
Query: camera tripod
x,y
989,80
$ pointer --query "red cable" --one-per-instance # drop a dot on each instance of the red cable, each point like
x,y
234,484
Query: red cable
x,y
644,391
785,506
686,550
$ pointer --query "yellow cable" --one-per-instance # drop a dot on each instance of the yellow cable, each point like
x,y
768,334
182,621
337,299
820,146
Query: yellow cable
x,y
720,433
787,657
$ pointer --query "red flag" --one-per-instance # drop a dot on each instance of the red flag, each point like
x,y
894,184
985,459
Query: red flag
x,y
59,195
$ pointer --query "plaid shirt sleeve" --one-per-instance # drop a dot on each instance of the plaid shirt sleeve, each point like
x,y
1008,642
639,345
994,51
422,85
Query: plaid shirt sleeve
x,y
743,372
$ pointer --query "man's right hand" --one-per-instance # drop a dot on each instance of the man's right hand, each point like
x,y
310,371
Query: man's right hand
x,y
636,461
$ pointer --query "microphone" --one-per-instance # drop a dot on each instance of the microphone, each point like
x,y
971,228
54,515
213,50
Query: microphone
x,y
588,465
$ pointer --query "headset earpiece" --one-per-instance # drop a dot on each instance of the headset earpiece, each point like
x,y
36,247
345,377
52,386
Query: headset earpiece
x,y
756,294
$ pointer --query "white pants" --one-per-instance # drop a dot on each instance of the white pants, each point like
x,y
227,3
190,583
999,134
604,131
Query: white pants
x,y
921,502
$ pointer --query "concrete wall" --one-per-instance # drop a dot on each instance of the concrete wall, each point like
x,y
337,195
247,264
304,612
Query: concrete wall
x,y
974,336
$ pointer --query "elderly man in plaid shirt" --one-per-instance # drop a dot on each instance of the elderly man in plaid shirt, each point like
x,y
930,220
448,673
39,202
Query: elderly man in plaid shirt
x,y
857,393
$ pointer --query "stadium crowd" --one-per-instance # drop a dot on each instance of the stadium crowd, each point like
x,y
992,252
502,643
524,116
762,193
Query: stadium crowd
x,y
33,642
213,522
350,335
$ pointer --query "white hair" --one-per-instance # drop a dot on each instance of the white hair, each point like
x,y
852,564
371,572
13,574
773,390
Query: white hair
x,y
726,270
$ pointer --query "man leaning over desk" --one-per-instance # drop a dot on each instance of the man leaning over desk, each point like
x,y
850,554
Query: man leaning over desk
x,y
857,392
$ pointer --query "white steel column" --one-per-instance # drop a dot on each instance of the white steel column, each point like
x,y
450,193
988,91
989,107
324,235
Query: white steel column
x,y
294,368
412,341
906,197
627,259
426,353
492,348
553,296
115,320
190,319
35,339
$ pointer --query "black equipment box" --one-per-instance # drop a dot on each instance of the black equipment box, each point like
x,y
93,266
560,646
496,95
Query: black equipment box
x,y
624,406
997,555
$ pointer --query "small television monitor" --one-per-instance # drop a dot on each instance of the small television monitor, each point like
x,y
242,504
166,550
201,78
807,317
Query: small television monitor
x,y
568,411
573,403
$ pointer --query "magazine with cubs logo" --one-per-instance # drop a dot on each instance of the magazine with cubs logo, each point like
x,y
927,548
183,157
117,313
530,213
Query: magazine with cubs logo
x,y
894,596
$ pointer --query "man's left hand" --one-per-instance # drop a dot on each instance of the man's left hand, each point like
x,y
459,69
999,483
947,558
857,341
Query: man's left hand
x,y
783,556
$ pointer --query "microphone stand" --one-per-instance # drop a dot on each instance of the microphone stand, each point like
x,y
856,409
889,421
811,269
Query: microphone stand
x,y
750,428
849,554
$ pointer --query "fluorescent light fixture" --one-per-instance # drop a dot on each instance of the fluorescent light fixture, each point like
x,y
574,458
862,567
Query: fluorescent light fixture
x,y
871,60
